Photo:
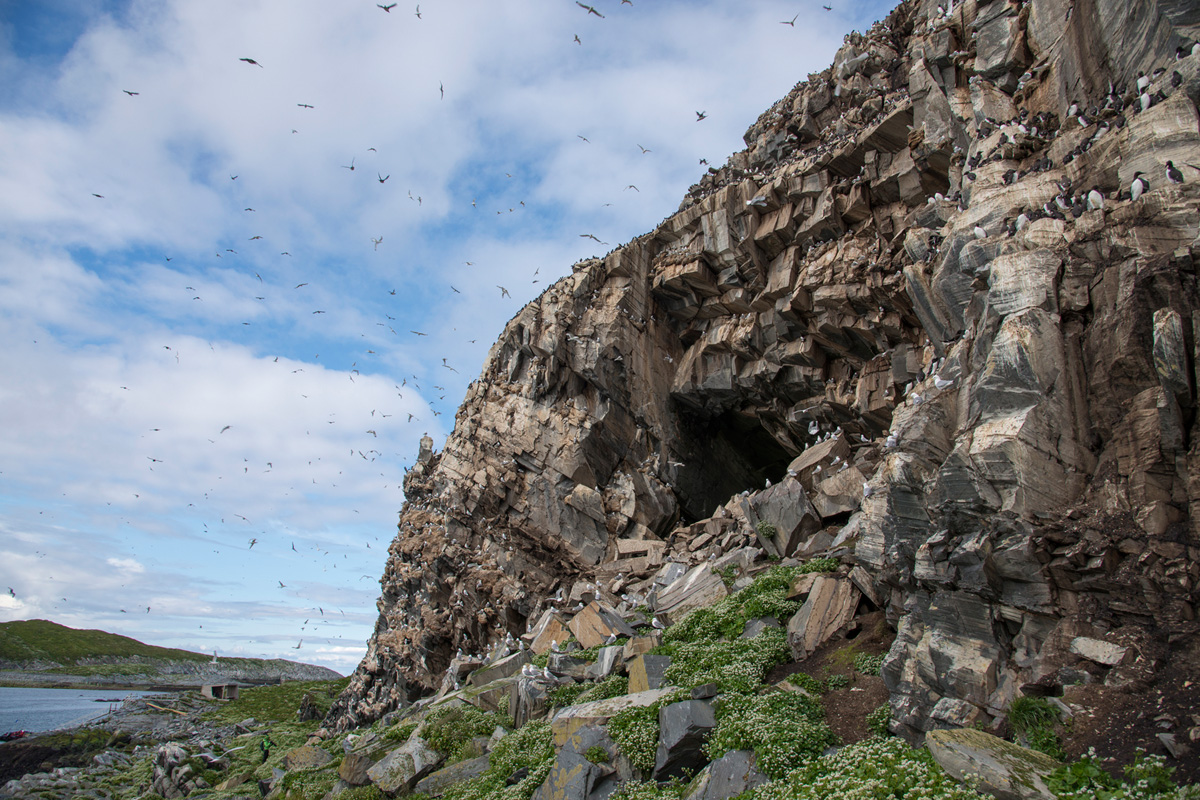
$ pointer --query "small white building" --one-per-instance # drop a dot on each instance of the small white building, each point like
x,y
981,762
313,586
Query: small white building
x,y
220,691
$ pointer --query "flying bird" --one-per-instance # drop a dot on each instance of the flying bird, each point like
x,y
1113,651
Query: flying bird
x,y
418,333
590,10
299,643
131,94
583,137
304,105
98,195
351,167
250,61
442,90
388,8
791,22
227,427
282,585
577,39
375,241
252,543
701,115
644,149
590,236
418,12
503,291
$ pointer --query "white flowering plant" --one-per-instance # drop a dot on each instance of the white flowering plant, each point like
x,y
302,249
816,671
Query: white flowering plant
x,y
785,729
873,769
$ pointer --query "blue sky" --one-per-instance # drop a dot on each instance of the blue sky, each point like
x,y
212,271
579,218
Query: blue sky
x,y
220,348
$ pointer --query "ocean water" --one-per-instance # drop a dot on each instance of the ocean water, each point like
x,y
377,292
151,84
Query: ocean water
x,y
37,710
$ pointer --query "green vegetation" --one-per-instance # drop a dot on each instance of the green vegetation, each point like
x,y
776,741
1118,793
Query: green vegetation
x,y
873,768
783,728
879,719
766,530
592,653
735,666
596,754
587,692
1033,719
400,732
635,730
566,695
529,747
1147,778
450,730
42,640
868,664
612,686
836,682
279,703
647,790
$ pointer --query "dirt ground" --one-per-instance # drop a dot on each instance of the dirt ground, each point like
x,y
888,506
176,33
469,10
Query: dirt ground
x,y
1118,721
846,709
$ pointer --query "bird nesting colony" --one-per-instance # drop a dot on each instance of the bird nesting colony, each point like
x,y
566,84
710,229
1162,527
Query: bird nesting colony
x,y
938,320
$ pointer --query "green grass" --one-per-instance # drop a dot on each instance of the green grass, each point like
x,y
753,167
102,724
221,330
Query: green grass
x,y
278,703
1034,719
42,640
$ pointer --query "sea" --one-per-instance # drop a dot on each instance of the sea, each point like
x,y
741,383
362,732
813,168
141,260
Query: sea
x,y
37,710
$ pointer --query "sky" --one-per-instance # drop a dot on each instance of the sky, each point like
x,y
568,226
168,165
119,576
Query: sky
x,y
252,250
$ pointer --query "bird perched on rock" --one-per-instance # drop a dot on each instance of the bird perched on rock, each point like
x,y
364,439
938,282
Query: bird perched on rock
x,y
1173,173
942,383
1138,187
979,232
1095,200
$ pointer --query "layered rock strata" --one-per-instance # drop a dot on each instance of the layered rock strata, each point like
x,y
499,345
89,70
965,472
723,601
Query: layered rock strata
x,y
898,327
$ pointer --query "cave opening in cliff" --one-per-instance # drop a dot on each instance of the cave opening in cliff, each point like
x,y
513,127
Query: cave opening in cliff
x,y
737,454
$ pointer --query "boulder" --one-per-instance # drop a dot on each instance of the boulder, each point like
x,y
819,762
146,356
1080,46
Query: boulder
x,y
830,606
574,776
1004,770
728,776
401,768
552,627
435,783
641,644
354,767
572,718
698,588
596,623
608,661
646,672
305,757
504,668
683,729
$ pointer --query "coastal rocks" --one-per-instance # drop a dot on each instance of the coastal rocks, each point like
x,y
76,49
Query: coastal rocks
x,y
172,776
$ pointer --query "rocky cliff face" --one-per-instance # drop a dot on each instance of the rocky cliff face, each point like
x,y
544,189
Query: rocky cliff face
x,y
897,310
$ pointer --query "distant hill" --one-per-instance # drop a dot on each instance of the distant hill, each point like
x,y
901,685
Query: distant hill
x,y
40,652
43,640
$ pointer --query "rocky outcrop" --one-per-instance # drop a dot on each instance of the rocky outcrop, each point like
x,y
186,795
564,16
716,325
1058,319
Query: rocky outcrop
x,y
918,323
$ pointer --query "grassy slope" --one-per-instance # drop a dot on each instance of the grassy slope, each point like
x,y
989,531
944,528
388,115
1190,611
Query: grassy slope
x,y
42,640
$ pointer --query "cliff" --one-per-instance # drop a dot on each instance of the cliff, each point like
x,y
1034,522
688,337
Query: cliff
x,y
894,329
